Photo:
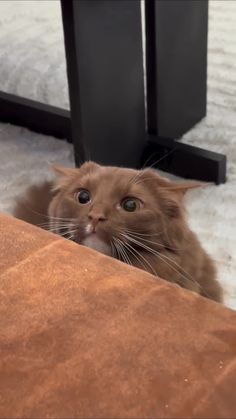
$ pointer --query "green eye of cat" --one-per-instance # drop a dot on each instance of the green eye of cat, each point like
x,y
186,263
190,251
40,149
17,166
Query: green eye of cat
x,y
83,196
129,204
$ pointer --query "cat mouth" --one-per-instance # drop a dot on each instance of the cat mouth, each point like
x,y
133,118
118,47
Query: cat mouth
x,y
93,241
93,238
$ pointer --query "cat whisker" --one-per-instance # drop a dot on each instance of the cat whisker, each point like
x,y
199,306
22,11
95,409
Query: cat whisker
x,y
184,274
52,217
123,252
168,261
187,278
113,250
70,232
138,237
64,230
70,237
117,251
119,245
49,217
126,253
143,234
55,220
59,223
133,180
66,234
55,225
148,159
163,157
163,258
58,231
138,256
137,176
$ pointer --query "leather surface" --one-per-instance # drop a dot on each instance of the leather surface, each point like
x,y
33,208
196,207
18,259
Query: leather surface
x,y
83,336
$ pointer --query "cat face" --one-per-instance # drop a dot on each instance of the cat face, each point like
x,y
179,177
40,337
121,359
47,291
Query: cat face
x,y
106,207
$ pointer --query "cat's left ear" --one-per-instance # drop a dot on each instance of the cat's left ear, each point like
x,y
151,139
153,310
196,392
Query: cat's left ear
x,y
185,186
169,185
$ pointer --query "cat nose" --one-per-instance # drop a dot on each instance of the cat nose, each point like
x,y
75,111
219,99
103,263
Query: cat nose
x,y
95,217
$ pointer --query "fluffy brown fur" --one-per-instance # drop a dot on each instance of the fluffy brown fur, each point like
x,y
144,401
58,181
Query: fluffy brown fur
x,y
154,236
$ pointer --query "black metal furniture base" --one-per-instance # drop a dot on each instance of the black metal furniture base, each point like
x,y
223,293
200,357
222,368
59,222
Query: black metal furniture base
x,y
171,156
184,160
36,116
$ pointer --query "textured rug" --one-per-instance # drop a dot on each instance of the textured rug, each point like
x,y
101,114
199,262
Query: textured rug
x,y
33,65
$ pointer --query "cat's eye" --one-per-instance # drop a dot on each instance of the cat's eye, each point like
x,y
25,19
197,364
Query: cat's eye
x,y
83,196
130,204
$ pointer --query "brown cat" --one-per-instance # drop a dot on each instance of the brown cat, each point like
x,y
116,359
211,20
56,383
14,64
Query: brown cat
x,y
135,216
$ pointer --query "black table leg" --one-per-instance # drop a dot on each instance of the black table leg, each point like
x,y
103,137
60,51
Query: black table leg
x,y
103,41
176,63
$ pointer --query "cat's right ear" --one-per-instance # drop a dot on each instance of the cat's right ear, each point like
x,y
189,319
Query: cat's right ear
x,y
87,167
61,171
63,174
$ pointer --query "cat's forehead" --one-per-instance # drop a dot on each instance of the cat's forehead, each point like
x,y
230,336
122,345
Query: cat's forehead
x,y
111,178
110,173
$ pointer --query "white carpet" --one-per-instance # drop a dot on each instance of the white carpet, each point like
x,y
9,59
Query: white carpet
x,y
33,65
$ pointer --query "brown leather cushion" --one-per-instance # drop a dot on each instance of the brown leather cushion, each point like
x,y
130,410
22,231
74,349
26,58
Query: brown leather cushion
x,y
83,335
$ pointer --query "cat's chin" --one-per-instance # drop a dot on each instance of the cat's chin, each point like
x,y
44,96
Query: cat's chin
x,y
95,243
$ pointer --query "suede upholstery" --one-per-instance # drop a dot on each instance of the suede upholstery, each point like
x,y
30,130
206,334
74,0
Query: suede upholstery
x,y
85,336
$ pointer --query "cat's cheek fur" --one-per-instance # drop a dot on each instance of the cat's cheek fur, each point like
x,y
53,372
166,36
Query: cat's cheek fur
x,y
62,206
